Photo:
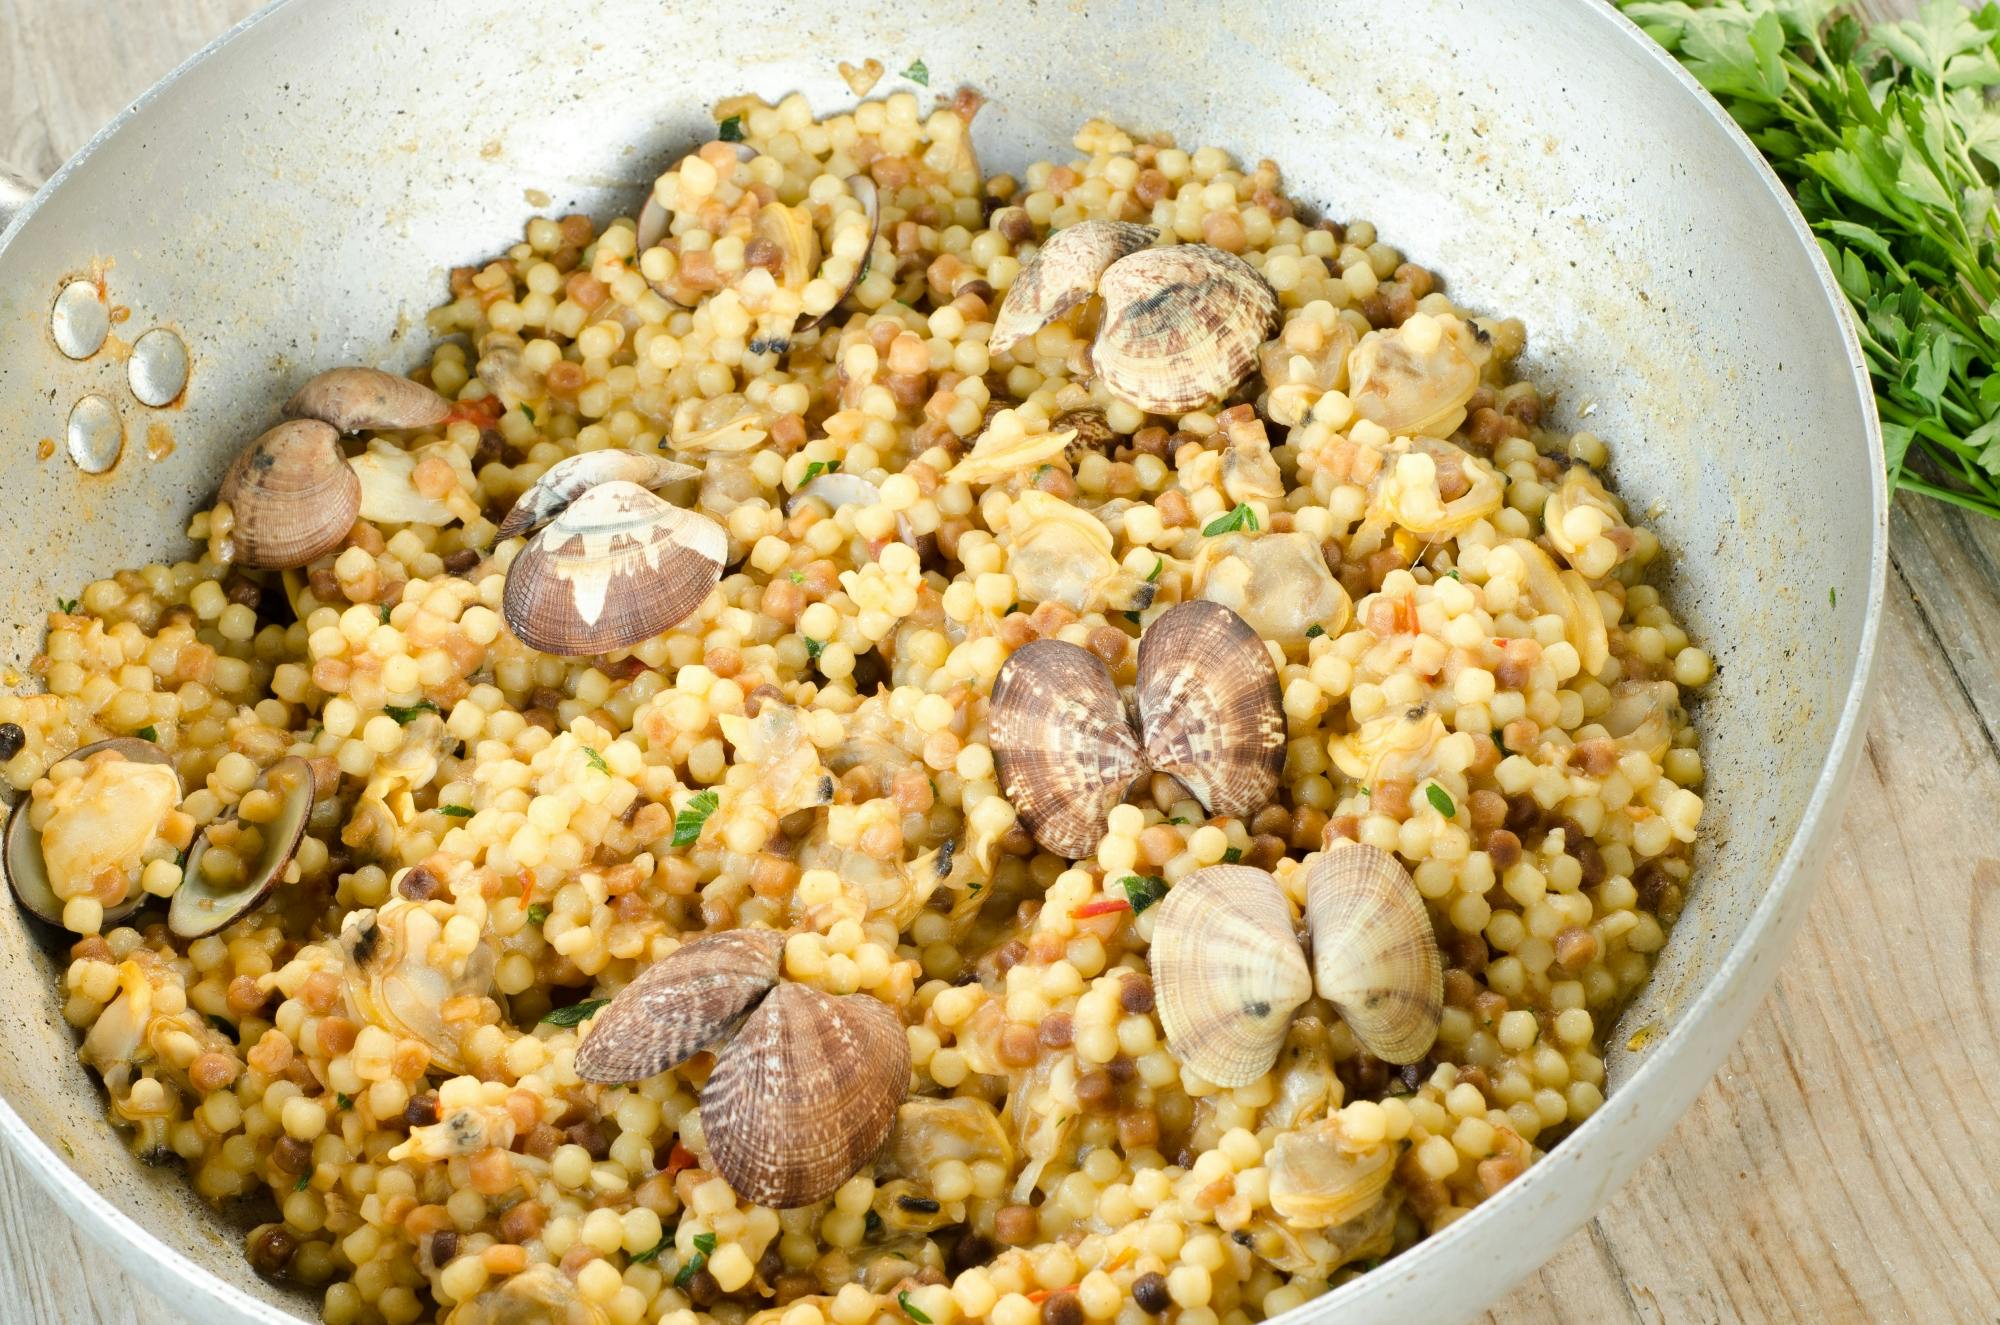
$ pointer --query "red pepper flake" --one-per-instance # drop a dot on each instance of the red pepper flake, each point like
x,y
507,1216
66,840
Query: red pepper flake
x,y
1102,906
680,1157
485,412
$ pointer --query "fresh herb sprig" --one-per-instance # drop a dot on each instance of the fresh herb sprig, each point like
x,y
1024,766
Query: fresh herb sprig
x,y
1886,137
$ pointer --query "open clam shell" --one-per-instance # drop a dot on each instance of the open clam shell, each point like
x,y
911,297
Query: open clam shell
x,y
616,567
1062,743
1181,326
1375,953
293,494
204,904
1063,274
805,1094
568,479
864,190
354,399
1209,707
1317,1182
691,998
1416,379
1278,583
1227,971
28,870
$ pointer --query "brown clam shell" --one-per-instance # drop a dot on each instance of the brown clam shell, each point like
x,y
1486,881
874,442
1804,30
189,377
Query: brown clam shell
x,y
21,850
1375,952
1210,708
1062,743
1227,971
568,479
1062,274
805,1094
200,908
617,566
1181,326
354,399
293,494
691,998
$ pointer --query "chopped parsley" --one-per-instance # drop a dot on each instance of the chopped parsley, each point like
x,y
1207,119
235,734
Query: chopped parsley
x,y
1440,800
67,606
976,886
1142,890
343,1099
1177,819
456,811
537,914
1453,574
576,1013
1240,517
730,130
596,759
688,823
903,1301
653,1252
814,647
796,576
384,614
1500,742
530,413
705,1243
406,714
147,734
1159,564
305,1180
1231,855
1833,597
1315,630
818,467
704,1246
1133,617
920,74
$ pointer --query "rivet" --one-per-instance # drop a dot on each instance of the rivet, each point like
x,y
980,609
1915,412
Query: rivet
x,y
80,321
96,434
159,367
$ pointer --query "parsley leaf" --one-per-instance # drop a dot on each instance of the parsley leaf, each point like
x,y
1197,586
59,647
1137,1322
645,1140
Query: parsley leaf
x,y
537,914
1231,855
406,714
305,1181
148,733
796,577
690,1270
813,471
576,1013
730,130
384,614
1142,890
903,1301
1159,564
67,606
1452,574
343,1099
1315,630
596,759
920,74
530,413
1440,800
705,1243
814,647
653,1253
1238,517
455,811
688,823
1833,597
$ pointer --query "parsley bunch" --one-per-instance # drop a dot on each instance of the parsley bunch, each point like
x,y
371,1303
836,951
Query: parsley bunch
x,y
1888,139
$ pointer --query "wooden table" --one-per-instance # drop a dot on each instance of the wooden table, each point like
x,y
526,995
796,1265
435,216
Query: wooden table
x,y
1844,1166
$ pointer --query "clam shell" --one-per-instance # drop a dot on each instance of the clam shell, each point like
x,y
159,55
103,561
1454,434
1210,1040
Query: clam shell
x,y
353,399
616,567
1062,743
1181,326
200,906
1415,379
836,490
726,425
992,460
1375,953
28,873
1063,274
1278,583
538,1295
1227,971
1316,1182
293,494
693,997
1059,553
864,190
568,479
805,1094
1410,489
1209,707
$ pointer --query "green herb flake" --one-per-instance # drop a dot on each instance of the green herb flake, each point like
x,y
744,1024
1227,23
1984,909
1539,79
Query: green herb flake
x,y
529,412
67,606
384,614
975,886
344,1100
652,1253
688,823
705,1243
1231,855
796,576
814,647
1159,564
575,1014
1133,617
406,714
537,913
148,733
305,1181
1833,598
903,1301
455,811
1452,574
1500,742
920,74
1239,517
596,758
1315,630
815,469
1142,890
1177,819
730,130
1440,800
690,1270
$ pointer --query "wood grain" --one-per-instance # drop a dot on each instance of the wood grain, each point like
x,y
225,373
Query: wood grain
x,y
1843,1165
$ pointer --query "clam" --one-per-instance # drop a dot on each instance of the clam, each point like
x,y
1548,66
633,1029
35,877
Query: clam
x,y
929,1132
725,425
538,1295
994,457
1586,524
834,490
354,399
1181,326
1063,274
409,974
92,840
1400,745
568,479
237,861
616,567
865,192
463,1132
1249,473
1307,1083
1063,745
1210,708
1278,583
1318,1181
1415,380
1436,489
805,1094
293,494
772,292
1227,971
1307,360
1060,554
1641,717
428,486
1565,594
693,997
777,756
1375,953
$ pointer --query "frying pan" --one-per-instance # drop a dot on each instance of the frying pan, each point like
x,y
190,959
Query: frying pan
x,y
292,198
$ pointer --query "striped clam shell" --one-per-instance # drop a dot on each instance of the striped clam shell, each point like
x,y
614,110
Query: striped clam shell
x,y
1062,743
1210,708
696,995
1375,952
293,495
570,478
1228,971
357,399
1061,275
1181,326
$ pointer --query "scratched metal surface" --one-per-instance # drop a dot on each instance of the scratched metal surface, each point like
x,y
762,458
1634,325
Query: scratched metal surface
x,y
296,200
